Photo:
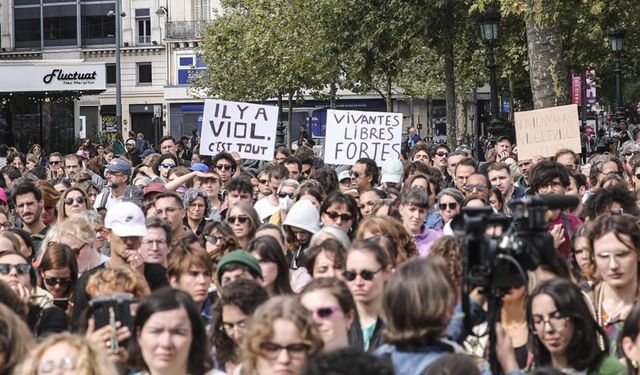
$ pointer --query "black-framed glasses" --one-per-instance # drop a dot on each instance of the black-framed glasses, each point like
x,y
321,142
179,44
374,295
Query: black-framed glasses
x,y
263,181
283,195
237,219
271,350
365,274
77,250
629,153
79,200
451,205
53,281
21,269
354,174
226,167
54,162
335,215
441,154
556,320
213,239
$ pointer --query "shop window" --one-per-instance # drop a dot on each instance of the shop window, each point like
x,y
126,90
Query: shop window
x,y
144,73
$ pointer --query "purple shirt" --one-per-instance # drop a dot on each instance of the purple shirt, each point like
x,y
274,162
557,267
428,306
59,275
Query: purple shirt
x,y
425,240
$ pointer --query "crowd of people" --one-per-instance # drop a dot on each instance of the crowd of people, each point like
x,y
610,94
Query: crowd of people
x,y
159,260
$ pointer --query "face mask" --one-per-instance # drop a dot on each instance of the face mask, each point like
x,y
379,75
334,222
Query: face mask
x,y
286,203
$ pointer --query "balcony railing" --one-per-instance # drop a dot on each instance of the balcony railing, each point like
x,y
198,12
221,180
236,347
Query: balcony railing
x,y
186,29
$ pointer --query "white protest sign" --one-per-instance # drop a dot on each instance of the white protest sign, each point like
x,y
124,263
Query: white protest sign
x,y
352,135
246,128
545,131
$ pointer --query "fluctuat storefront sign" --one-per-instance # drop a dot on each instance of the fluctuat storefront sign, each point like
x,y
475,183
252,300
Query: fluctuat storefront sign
x,y
26,78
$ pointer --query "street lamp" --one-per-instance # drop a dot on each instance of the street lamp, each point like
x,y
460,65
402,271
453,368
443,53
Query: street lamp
x,y
616,38
489,21
118,82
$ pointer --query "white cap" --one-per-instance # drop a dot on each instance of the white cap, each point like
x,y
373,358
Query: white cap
x,y
126,219
392,171
344,175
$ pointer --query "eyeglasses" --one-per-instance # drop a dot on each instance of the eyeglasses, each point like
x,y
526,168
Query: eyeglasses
x,y
69,201
229,327
334,216
283,195
5,225
21,269
53,281
325,312
213,239
150,243
78,249
450,205
167,165
479,187
441,154
271,350
557,321
263,181
49,366
549,186
365,274
306,172
237,219
54,162
225,167
354,174
629,153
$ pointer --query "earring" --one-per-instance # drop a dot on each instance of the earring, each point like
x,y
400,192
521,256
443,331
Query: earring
x,y
634,363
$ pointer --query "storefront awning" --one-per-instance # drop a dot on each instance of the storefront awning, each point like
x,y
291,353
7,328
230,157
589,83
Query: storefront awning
x,y
54,76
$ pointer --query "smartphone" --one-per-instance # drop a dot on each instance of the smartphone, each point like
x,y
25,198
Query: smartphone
x,y
114,308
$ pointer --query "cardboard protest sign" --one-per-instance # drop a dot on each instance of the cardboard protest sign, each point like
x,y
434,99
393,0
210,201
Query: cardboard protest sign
x,y
352,135
544,131
246,128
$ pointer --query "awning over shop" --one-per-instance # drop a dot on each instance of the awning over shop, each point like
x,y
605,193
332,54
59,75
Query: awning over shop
x,y
53,76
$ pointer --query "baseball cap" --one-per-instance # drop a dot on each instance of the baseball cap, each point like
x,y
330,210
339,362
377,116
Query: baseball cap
x,y
119,165
199,167
126,219
344,175
155,188
392,171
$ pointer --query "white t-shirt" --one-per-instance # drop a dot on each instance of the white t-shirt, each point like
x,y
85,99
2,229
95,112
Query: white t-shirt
x,y
265,208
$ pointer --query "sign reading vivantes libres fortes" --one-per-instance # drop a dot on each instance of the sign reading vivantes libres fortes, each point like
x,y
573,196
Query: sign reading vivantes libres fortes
x,y
352,135
246,128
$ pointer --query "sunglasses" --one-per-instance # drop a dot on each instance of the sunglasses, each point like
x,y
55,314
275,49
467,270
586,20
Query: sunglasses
x,y
213,239
451,205
355,174
54,162
21,269
263,181
479,187
365,274
334,216
271,350
237,219
284,195
53,281
69,201
166,165
632,153
225,167
441,154
326,312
